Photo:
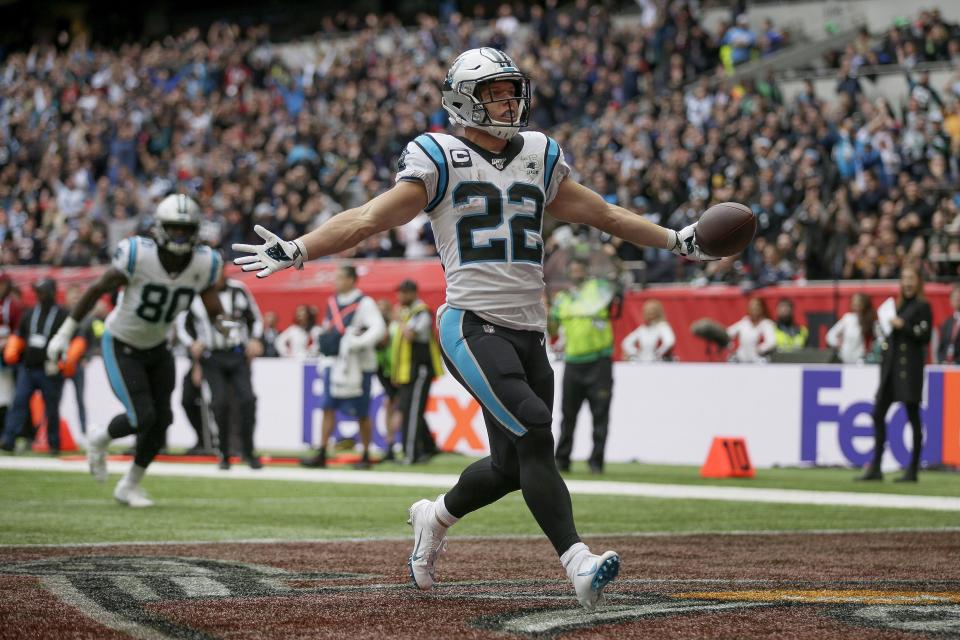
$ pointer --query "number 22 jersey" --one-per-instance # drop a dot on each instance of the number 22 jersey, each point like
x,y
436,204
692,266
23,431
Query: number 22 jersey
x,y
153,297
486,210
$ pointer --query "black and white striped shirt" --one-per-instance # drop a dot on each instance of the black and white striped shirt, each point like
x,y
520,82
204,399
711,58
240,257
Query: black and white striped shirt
x,y
238,305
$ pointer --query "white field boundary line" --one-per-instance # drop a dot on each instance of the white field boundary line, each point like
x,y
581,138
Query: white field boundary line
x,y
577,487
496,537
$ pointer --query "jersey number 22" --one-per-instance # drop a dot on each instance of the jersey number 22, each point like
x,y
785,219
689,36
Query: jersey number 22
x,y
495,250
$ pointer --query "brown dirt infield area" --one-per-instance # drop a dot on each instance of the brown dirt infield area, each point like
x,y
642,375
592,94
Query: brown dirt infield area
x,y
854,585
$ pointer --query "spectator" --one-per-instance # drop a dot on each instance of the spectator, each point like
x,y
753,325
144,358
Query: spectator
x,y
741,40
653,340
755,334
295,341
853,334
270,334
948,351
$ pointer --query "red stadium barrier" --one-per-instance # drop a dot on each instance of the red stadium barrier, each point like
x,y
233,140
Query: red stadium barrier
x,y
282,292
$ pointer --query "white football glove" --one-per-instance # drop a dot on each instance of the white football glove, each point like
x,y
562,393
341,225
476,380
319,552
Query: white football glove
x,y
60,342
686,244
273,255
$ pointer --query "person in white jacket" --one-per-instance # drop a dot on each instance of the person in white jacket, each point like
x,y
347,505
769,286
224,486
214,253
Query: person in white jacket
x,y
755,334
653,340
854,331
294,341
351,328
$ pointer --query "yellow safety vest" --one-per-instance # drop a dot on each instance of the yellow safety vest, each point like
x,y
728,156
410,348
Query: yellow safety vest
x,y
401,349
584,314
791,342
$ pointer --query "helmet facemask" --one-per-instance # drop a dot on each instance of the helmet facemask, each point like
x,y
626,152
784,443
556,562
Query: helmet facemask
x,y
468,103
518,103
176,238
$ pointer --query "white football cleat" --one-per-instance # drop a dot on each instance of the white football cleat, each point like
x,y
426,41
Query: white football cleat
x,y
97,459
132,495
593,574
429,542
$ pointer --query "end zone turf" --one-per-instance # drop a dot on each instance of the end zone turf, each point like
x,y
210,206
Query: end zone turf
x,y
854,585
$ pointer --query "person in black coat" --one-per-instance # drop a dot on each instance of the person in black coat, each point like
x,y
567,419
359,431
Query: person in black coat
x,y
901,371
949,350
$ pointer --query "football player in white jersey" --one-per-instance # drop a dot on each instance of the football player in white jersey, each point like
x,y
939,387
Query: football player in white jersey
x,y
485,192
159,277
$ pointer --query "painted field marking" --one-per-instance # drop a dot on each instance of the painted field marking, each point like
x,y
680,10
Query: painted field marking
x,y
507,537
578,487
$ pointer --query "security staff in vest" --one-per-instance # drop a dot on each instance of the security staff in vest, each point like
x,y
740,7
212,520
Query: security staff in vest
x,y
582,315
901,371
790,335
416,361
28,348
225,363
351,328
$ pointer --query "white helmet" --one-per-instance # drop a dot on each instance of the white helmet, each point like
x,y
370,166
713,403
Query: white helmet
x,y
177,211
473,69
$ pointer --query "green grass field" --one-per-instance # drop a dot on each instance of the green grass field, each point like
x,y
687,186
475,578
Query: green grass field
x,y
70,508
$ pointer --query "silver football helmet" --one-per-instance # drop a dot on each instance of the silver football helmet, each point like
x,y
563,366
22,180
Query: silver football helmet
x,y
471,71
176,224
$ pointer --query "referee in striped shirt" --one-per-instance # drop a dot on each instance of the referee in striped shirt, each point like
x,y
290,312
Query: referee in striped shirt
x,y
225,361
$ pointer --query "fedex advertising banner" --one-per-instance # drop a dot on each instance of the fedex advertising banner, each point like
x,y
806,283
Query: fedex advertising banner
x,y
661,413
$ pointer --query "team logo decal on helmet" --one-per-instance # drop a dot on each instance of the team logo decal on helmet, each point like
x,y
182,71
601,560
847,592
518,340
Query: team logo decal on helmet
x,y
463,92
177,223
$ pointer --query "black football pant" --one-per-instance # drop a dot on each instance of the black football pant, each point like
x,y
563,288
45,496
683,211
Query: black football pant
x,y
882,405
507,371
231,387
593,382
412,403
143,380
192,402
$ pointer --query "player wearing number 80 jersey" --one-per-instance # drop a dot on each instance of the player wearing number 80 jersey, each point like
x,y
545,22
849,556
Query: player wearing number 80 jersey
x,y
159,277
152,296
486,192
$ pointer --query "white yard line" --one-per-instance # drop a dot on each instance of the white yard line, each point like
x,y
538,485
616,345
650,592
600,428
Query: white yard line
x,y
512,536
579,487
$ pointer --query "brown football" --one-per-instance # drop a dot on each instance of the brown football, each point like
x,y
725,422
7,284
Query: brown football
x,y
726,229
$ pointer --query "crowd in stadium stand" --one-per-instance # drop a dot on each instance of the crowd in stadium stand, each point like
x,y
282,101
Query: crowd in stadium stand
x,y
927,38
91,138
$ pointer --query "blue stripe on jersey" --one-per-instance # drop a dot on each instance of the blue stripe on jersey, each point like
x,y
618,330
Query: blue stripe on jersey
x,y
553,154
132,257
116,377
433,150
458,351
214,267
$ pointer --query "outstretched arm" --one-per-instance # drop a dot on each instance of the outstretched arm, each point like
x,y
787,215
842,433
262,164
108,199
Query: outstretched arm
x,y
577,204
392,208
111,280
